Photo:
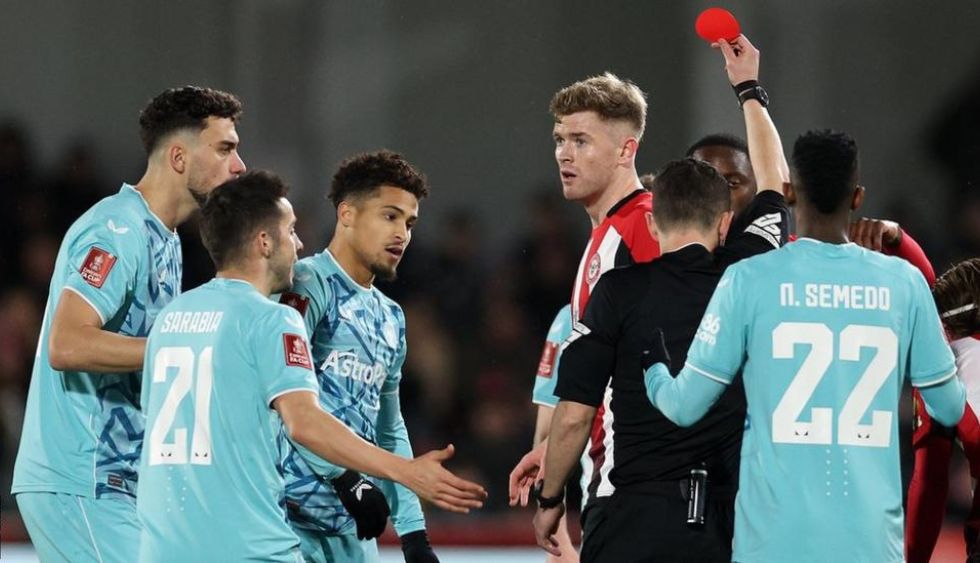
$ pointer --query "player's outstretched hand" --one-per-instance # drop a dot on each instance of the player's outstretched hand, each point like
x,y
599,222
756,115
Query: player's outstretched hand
x,y
546,526
655,351
365,503
416,548
741,59
875,234
436,484
525,474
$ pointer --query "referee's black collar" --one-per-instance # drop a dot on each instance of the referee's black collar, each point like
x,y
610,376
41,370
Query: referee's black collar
x,y
612,211
688,252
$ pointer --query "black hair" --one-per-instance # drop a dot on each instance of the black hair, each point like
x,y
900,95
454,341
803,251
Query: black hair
x,y
719,140
825,165
187,107
690,193
236,210
365,173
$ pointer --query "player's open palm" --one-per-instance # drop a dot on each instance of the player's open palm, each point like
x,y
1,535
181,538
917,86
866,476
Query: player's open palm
x,y
436,484
526,473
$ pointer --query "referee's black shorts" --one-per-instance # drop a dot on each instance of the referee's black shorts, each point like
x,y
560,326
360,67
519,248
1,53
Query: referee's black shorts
x,y
648,527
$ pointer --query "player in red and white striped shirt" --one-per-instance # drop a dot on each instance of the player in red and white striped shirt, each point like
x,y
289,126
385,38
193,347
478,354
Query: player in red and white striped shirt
x,y
598,126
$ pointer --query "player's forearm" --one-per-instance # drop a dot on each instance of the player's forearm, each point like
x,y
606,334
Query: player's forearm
x,y
91,349
570,427
543,424
320,466
684,399
330,439
765,148
945,402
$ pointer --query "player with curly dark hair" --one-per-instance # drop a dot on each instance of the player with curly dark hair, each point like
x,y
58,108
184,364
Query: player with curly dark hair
x,y
366,173
119,264
957,296
358,340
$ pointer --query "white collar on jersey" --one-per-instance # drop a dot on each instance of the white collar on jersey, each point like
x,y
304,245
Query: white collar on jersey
x,y
343,272
147,207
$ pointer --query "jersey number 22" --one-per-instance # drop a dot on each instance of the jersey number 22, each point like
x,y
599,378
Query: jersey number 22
x,y
787,427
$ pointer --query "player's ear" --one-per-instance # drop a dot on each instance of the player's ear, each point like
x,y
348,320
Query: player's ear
x,y
176,154
265,244
627,153
858,198
346,213
652,226
724,224
789,192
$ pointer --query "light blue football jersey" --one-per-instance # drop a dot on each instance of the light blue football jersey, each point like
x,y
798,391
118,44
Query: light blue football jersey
x,y
547,377
83,431
825,335
358,340
210,487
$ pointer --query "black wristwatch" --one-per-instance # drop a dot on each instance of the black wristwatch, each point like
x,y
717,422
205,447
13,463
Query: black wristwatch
x,y
547,502
751,90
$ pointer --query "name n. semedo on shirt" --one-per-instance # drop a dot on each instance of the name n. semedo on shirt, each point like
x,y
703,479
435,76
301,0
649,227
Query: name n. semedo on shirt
x,y
836,296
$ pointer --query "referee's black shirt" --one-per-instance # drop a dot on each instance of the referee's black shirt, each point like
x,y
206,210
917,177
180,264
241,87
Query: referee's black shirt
x,y
626,306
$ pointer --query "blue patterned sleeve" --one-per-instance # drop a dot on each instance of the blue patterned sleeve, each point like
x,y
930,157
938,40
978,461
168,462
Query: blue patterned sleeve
x,y
106,259
310,296
406,511
547,376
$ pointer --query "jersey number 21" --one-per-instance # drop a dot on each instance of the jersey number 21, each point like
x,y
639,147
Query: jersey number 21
x,y
176,452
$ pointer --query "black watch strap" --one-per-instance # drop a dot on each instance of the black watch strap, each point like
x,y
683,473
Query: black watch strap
x,y
547,502
751,90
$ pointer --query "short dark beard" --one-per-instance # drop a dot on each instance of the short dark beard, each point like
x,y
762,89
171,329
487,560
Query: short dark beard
x,y
385,275
199,197
281,286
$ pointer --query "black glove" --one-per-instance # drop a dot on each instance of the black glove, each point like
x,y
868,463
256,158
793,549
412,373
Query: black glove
x,y
365,503
655,351
415,546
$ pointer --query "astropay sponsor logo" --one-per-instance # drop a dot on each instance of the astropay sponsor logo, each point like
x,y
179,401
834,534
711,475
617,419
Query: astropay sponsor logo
x,y
347,364
297,354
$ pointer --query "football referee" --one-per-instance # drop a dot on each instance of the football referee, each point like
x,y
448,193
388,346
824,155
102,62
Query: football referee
x,y
673,488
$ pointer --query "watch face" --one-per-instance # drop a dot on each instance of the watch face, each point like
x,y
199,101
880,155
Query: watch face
x,y
754,93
